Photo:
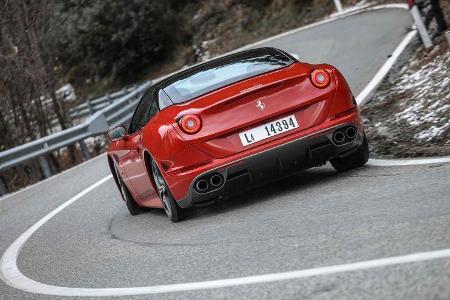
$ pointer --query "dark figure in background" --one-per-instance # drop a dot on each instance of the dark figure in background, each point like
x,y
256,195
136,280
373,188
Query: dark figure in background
x,y
433,12
440,19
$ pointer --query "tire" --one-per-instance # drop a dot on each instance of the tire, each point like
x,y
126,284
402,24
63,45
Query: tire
x,y
356,159
132,206
173,211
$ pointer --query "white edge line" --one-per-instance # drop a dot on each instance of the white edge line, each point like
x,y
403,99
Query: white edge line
x,y
408,162
365,94
9,271
12,276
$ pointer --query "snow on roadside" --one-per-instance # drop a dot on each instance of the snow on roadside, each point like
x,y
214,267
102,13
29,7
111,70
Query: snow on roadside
x,y
428,90
409,115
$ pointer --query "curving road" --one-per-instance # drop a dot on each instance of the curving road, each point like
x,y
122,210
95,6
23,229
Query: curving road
x,y
336,230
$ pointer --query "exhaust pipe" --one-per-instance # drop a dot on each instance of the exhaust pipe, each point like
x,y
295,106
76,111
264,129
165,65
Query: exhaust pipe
x,y
201,185
338,137
350,132
216,180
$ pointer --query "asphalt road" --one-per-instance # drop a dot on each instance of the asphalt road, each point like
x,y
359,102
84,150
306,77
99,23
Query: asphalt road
x,y
315,219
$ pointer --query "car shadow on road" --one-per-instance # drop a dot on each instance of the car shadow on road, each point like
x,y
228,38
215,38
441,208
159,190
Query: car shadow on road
x,y
153,227
270,191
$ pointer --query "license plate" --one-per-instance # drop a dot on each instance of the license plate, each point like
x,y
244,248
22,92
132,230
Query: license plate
x,y
268,130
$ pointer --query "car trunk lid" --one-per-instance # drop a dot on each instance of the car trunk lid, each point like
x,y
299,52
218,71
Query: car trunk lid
x,y
252,102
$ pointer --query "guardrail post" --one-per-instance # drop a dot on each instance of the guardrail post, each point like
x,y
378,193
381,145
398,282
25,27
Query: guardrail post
x,y
45,167
424,36
132,88
3,189
90,107
338,5
84,150
109,99
131,99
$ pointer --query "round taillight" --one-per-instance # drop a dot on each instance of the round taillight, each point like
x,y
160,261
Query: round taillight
x,y
320,78
190,124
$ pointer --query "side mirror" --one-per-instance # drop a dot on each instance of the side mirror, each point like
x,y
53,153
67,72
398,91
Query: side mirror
x,y
117,133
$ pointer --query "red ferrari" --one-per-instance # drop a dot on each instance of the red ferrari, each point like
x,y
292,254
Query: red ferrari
x,y
231,123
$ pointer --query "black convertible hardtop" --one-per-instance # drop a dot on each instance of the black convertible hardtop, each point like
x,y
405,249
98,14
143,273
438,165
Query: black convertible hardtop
x,y
222,71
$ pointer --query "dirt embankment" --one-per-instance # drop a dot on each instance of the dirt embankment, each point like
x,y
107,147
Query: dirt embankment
x,y
409,115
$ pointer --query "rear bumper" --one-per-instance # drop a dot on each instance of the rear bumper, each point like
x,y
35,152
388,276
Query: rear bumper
x,y
290,156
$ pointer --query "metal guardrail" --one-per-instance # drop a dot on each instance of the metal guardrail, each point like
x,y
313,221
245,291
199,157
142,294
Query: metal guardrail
x,y
91,106
78,113
119,112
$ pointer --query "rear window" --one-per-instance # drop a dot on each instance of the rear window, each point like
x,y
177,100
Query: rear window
x,y
221,72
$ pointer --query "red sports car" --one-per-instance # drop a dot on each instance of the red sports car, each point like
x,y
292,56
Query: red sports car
x,y
231,123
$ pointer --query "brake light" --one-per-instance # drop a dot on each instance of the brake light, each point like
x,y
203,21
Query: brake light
x,y
320,78
190,124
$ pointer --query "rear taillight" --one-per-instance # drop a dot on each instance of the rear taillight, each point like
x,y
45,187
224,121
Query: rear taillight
x,y
320,78
190,124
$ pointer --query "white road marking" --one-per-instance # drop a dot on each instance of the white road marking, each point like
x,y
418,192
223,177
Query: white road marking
x,y
408,162
368,90
11,275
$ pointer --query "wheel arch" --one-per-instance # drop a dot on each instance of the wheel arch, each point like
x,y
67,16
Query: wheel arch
x,y
113,171
148,166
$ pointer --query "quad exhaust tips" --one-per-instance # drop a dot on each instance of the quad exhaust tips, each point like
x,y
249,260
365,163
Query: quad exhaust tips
x,y
344,135
209,183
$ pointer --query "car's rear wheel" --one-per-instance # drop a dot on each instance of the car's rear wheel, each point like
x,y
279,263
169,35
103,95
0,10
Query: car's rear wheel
x,y
173,211
356,159
132,206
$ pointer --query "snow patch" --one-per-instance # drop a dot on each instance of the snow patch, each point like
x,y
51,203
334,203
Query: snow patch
x,y
427,91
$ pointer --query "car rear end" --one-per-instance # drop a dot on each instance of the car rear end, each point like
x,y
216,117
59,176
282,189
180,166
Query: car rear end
x,y
245,133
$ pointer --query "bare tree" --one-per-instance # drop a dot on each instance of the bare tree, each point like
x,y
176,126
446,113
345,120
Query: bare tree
x,y
28,76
